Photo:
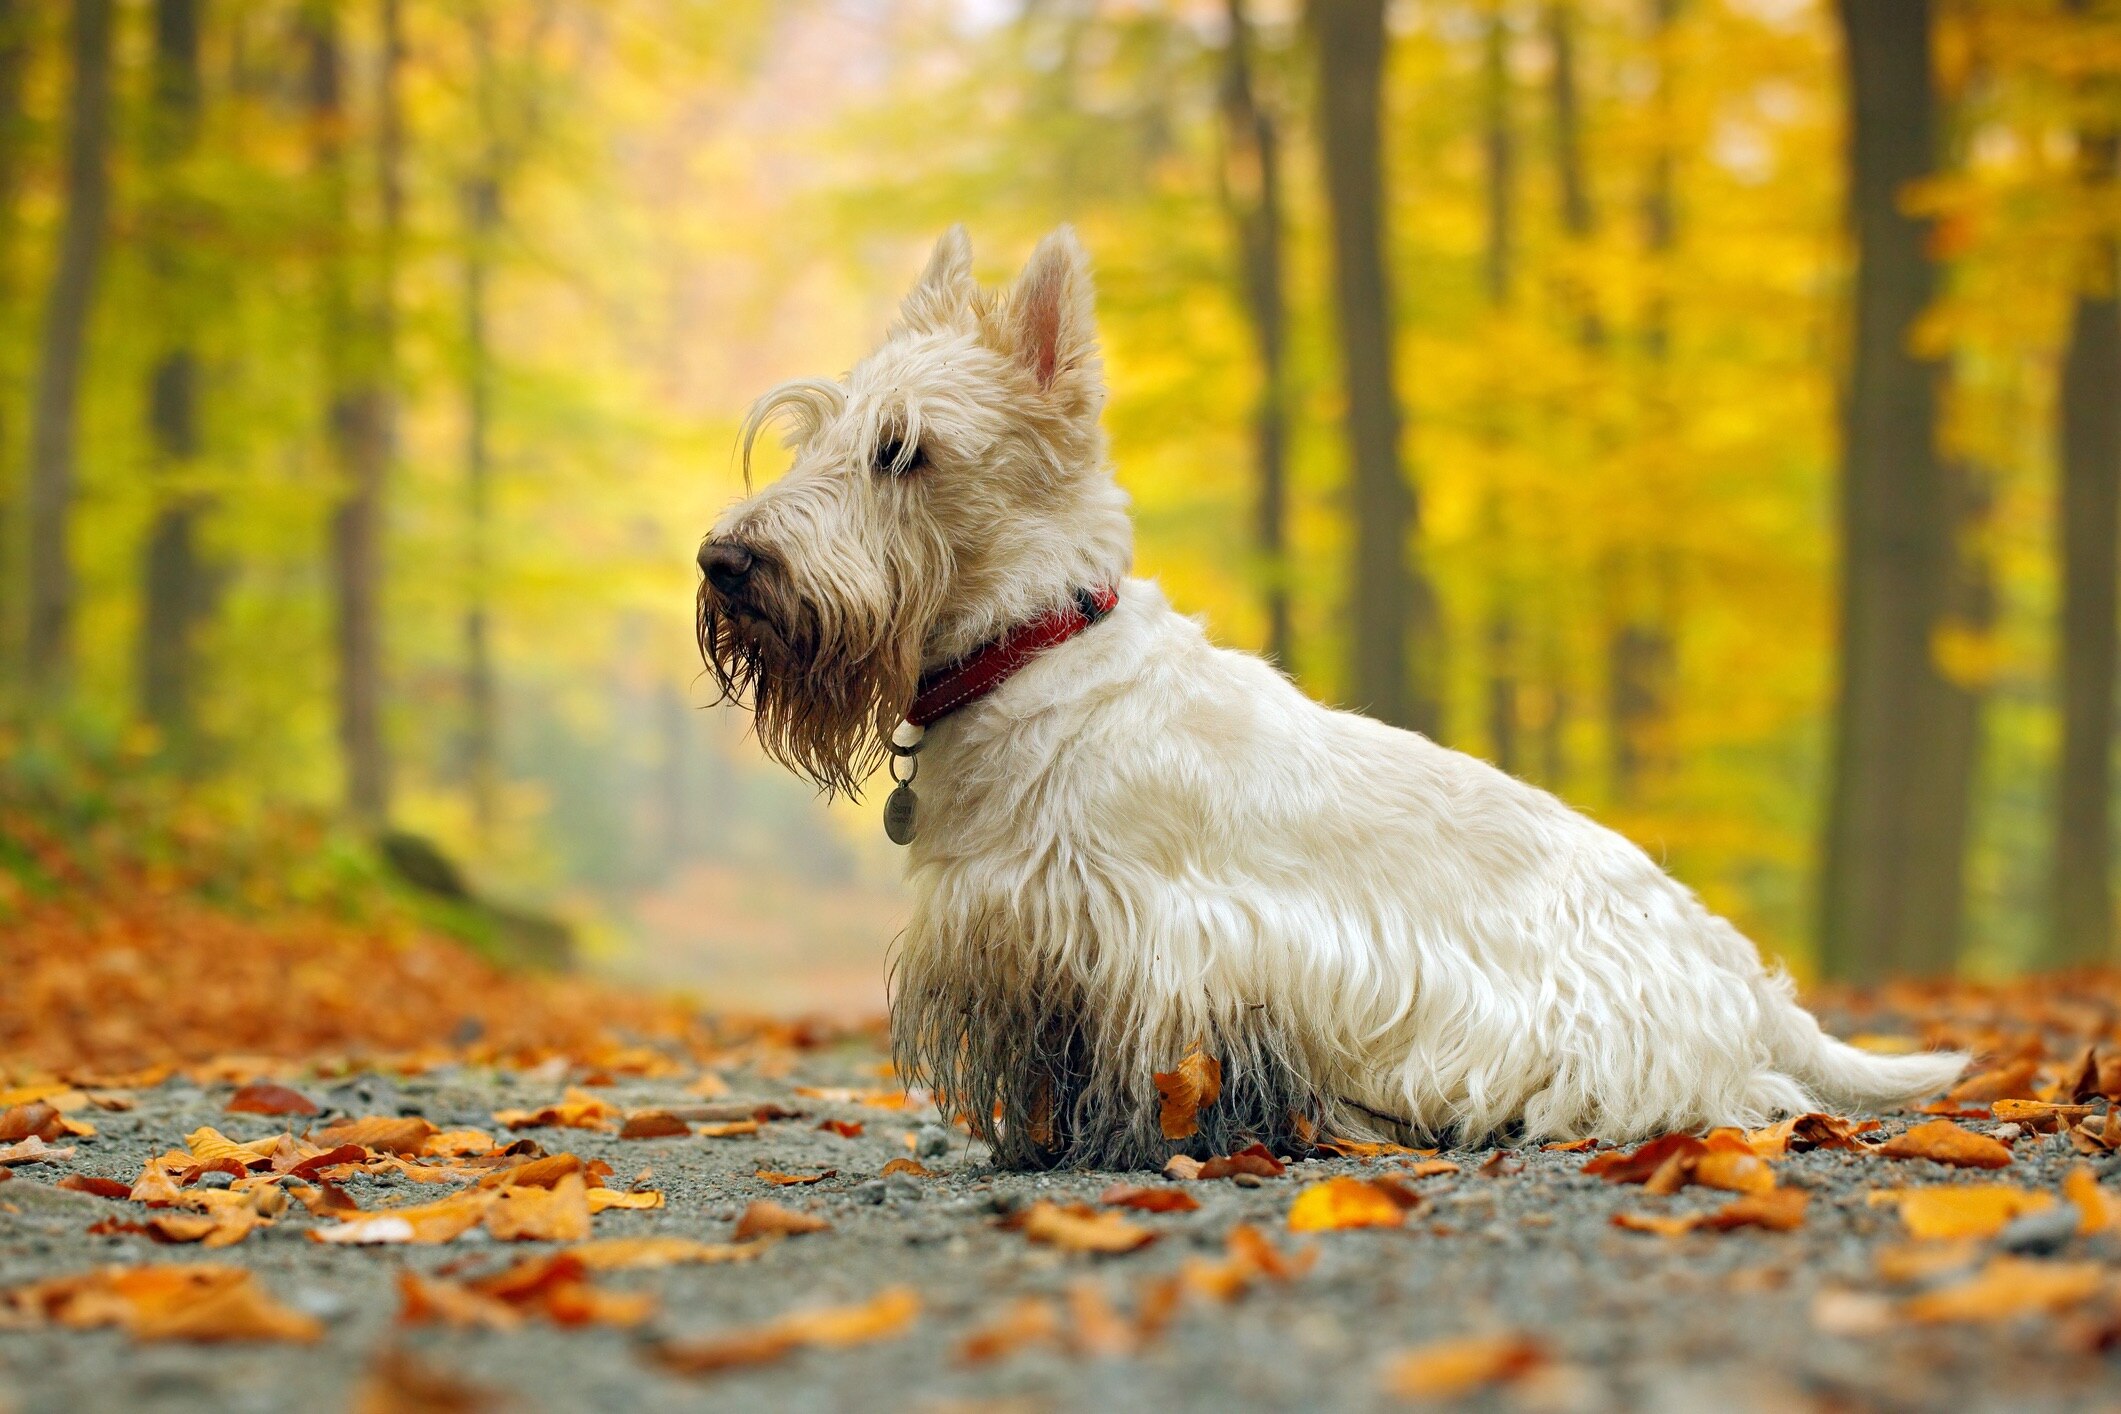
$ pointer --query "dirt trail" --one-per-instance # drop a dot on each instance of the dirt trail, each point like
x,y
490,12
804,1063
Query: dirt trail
x,y
1621,1319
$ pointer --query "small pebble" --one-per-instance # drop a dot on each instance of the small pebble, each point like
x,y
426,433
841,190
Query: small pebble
x,y
1246,1180
215,1180
870,1192
2007,1133
932,1141
2042,1233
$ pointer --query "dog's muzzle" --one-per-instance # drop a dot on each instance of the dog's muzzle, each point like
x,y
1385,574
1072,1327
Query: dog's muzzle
x,y
728,568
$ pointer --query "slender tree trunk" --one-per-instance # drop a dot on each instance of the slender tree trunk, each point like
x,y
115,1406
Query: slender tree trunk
x,y
1883,847
1499,149
176,585
482,206
1641,651
1393,609
1252,191
2090,520
358,334
1578,220
14,62
55,415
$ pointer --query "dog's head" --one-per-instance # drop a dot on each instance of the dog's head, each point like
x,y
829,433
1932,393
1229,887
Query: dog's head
x,y
954,483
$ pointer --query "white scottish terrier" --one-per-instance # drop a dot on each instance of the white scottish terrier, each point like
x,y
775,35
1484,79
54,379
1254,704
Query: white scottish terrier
x,y
1130,842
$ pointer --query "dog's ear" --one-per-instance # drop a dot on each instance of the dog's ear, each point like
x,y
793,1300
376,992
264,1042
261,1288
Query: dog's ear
x,y
946,291
1050,324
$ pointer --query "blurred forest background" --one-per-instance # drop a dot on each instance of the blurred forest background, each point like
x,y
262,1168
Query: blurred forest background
x,y
1708,409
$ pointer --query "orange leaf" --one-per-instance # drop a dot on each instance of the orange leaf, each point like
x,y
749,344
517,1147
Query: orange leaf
x,y
1196,1084
2008,1287
604,1200
621,1254
654,1124
264,1098
890,1314
733,1129
1149,1200
423,1223
1777,1209
1077,1227
1961,1210
788,1180
1942,1141
2097,1209
2009,1082
195,1301
556,1214
763,1219
1430,1168
912,1167
384,1134
1343,1202
1028,1320
1446,1369
1253,1159
844,1128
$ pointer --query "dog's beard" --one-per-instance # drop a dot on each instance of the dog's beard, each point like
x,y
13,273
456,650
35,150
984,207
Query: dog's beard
x,y
824,691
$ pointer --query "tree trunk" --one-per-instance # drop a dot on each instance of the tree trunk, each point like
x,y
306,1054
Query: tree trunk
x,y
2090,520
1499,149
176,585
1393,609
1252,191
1641,651
357,331
482,209
1578,220
1886,851
66,312
14,62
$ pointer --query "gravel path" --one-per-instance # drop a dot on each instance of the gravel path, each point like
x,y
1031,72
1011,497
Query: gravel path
x,y
1627,1320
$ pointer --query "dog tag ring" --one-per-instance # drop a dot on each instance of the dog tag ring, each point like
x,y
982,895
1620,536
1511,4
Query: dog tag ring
x,y
904,745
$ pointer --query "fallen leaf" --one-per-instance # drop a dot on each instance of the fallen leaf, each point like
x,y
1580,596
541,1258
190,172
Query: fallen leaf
x,y
1028,1320
890,1314
542,1172
1733,1172
844,1128
1255,1159
624,1254
1941,1141
1247,1258
1776,1209
2014,1081
36,1120
1344,1202
1430,1168
733,1129
404,1134
556,1214
1186,1091
1801,1133
1446,1369
423,1223
2008,1287
398,1384
458,1143
1078,1227
553,1288
315,1164
1501,1164
1182,1167
1960,1210
604,1200
788,1180
1359,1148
1149,1200
2097,1209
912,1167
265,1098
654,1124
761,1218
194,1301
1571,1146
2043,1116
100,1187
2097,1076
1663,1224
34,1151
577,1110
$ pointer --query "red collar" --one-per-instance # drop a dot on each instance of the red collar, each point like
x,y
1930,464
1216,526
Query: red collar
x,y
985,669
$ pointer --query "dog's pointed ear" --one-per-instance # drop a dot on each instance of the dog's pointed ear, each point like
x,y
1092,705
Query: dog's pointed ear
x,y
945,291
1050,323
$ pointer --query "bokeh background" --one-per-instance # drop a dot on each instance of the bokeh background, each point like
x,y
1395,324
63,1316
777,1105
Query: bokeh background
x,y
1558,376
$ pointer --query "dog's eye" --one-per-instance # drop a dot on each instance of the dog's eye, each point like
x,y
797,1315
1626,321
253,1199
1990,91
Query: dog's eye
x,y
894,458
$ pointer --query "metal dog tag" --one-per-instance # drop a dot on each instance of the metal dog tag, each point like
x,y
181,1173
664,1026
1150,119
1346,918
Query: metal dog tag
x,y
898,814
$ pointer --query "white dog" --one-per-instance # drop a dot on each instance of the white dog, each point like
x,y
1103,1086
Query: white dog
x,y
1130,842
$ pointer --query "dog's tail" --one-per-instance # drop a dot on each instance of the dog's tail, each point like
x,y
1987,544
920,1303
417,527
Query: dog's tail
x,y
1840,1074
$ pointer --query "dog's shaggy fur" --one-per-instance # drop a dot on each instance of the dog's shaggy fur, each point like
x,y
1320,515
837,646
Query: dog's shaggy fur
x,y
1143,842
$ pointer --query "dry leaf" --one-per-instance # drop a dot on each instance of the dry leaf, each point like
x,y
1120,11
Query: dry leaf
x,y
2097,1209
764,1219
1960,1210
1149,1200
1360,1148
654,1124
195,1301
1447,1369
1186,1091
2044,1116
1254,1159
791,1180
619,1254
398,1384
264,1098
912,1167
37,1120
734,1129
458,1143
1941,1141
553,1288
1182,1167
537,1173
1028,1320
423,1223
100,1187
890,1314
556,1214
1801,1133
639,1200
844,1128
2008,1287
1776,1209
2014,1081
1571,1146
34,1151
1344,1202
578,1110
1247,1257
385,1134
1078,1227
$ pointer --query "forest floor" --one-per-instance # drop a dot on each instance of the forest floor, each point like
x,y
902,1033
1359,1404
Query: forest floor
x,y
464,1223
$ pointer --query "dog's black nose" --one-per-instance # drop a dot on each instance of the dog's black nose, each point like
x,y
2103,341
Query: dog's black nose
x,y
726,565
